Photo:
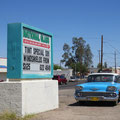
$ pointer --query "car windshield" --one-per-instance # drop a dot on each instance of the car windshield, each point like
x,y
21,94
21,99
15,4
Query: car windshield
x,y
72,77
55,77
62,77
100,78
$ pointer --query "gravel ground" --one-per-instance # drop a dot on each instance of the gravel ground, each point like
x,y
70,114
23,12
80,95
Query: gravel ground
x,y
69,109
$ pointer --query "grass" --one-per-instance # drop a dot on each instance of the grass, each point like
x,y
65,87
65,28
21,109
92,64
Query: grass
x,y
12,116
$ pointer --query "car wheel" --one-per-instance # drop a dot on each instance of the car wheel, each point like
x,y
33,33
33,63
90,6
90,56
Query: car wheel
x,y
81,102
61,83
119,97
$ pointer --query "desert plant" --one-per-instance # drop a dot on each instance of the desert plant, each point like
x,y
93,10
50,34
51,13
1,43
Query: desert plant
x,y
13,116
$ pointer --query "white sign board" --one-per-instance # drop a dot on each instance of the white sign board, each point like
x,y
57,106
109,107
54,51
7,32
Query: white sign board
x,y
36,52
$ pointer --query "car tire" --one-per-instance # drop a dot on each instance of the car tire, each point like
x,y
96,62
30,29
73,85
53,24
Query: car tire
x,y
61,83
119,98
65,83
81,102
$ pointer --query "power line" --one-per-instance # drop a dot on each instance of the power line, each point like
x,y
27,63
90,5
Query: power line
x,y
112,47
115,54
109,53
91,38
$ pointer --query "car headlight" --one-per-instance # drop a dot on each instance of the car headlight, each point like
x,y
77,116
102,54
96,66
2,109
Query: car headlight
x,y
79,87
111,88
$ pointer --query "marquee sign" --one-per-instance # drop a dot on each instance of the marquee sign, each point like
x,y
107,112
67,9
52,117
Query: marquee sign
x,y
29,52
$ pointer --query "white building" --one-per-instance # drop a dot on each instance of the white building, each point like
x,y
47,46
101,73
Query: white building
x,y
3,68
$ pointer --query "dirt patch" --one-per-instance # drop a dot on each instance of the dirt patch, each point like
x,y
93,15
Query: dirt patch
x,y
69,109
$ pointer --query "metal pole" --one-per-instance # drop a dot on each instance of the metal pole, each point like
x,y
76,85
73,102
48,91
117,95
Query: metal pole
x,y
115,62
101,52
99,55
75,70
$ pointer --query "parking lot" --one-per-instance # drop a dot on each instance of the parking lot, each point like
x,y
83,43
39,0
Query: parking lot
x,y
69,109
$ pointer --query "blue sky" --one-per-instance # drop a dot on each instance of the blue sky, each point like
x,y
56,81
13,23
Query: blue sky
x,y
66,19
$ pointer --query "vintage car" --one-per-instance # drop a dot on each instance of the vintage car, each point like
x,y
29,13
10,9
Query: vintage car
x,y
99,87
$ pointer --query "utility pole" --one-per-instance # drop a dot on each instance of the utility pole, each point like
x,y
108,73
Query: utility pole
x,y
75,69
115,62
60,63
101,52
99,55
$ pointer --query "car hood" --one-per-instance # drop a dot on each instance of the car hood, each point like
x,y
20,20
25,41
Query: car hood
x,y
96,86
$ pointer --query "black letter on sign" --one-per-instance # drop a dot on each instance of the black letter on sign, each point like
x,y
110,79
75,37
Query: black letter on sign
x,y
26,66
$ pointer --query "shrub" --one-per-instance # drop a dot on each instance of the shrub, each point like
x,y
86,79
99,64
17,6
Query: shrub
x,y
13,116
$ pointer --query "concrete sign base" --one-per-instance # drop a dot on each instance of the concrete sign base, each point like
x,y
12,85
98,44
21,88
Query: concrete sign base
x,y
28,97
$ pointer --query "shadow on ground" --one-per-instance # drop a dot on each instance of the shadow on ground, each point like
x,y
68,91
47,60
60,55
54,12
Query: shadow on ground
x,y
93,104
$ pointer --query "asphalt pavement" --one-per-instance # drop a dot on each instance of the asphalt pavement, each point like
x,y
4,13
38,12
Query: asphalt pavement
x,y
71,85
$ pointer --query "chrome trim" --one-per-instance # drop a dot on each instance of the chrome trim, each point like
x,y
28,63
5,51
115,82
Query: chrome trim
x,y
101,98
96,92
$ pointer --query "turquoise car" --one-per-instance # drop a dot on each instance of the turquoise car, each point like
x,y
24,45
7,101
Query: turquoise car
x,y
99,87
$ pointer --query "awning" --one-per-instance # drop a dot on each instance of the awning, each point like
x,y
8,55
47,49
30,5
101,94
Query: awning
x,y
3,66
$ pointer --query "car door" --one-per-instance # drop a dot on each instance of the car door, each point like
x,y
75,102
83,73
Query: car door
x,y
62,78
117,80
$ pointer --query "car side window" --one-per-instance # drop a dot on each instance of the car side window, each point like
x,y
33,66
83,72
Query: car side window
x,y
55,77
117,79
62,77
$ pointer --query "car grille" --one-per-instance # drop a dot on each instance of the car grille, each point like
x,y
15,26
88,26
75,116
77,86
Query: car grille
x,y
86,94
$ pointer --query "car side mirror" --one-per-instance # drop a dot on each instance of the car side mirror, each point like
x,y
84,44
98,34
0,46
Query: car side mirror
x,y
115,81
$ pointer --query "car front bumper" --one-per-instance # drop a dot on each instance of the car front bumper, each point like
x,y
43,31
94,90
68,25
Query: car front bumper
x,y
95,98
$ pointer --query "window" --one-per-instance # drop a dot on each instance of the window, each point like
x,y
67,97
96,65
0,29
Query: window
x,y
55,77
117,79
62,77
100,78
72,77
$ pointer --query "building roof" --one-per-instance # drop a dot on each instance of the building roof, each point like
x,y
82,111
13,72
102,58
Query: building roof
x,y
104,74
